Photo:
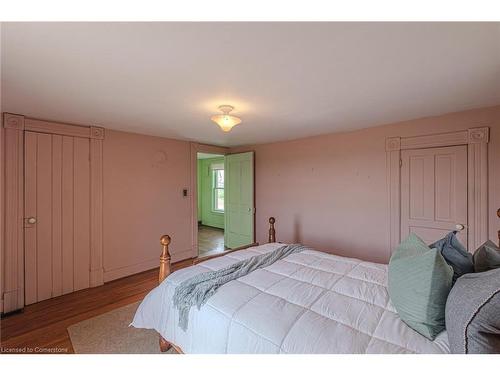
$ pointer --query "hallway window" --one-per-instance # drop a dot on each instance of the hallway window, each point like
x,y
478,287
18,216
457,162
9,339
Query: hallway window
x,y
218,190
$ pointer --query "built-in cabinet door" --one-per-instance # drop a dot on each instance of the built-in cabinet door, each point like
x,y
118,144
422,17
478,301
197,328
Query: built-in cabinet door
x,y
239,199
434,192
57,215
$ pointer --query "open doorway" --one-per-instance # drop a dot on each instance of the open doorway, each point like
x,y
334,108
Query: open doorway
x,y
224,212
210,180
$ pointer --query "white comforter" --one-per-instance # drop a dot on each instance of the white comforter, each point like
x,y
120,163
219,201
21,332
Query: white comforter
x,y
309,302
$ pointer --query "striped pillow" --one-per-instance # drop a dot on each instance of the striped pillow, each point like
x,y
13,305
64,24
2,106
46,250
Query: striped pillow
x,y
419,283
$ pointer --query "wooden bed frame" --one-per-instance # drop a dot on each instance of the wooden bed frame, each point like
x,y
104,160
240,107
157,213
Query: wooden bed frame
x,y
166,269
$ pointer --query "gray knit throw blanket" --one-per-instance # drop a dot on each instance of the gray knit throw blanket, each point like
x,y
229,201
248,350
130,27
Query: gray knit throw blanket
x,y
199,288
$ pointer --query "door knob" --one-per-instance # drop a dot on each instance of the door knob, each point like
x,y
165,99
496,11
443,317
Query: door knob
x,y
459,227
31,220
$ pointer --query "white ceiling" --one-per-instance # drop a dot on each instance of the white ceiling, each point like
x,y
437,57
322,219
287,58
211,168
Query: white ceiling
x,y
286,80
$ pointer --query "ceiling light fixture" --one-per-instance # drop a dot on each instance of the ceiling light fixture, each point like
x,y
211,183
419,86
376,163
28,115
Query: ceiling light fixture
x,y
226,121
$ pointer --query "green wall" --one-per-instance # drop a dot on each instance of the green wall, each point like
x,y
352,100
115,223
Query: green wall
x,y
205,213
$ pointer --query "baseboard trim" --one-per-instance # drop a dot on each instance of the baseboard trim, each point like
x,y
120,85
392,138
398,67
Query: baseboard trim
x,y
118,273
96,277
178,256
12,301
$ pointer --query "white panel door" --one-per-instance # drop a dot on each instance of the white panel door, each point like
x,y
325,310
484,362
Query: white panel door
x,y
57,215
434,192
239,199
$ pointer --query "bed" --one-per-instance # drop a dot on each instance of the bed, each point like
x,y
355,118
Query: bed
x,y
308,302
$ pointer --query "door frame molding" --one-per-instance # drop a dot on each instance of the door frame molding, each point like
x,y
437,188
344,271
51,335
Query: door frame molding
x,y
476,140
194,149
13,230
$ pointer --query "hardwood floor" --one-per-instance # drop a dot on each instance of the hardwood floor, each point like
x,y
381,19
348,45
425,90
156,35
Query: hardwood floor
x,y
42,327
210,241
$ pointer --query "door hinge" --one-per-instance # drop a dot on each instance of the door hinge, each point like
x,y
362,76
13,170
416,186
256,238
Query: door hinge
x,y
400,163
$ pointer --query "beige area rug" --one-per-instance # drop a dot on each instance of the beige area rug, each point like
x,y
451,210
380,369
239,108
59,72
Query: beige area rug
x,y
109,333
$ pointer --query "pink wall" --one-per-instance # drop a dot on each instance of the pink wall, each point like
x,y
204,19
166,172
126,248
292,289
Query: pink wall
x,y
143,181
331,191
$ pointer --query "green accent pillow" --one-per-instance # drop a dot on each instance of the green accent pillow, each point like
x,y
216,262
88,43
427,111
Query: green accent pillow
x,y
419,283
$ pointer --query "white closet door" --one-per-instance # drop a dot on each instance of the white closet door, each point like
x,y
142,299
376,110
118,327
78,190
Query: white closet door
x,y
434,192
57,215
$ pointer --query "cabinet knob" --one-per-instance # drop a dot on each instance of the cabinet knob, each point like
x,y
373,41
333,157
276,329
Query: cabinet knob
x,y
31,220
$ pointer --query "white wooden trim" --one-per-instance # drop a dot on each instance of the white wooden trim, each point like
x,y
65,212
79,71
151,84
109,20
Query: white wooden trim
x,y
51,127
13,230
117,273
131,269
478,193
96,211
393,157
12,121
1,214
434,140
193,182
476,140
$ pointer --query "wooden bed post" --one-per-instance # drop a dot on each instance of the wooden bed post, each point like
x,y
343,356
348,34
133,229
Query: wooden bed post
x,y
272,231
164,258
164,272
165,268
